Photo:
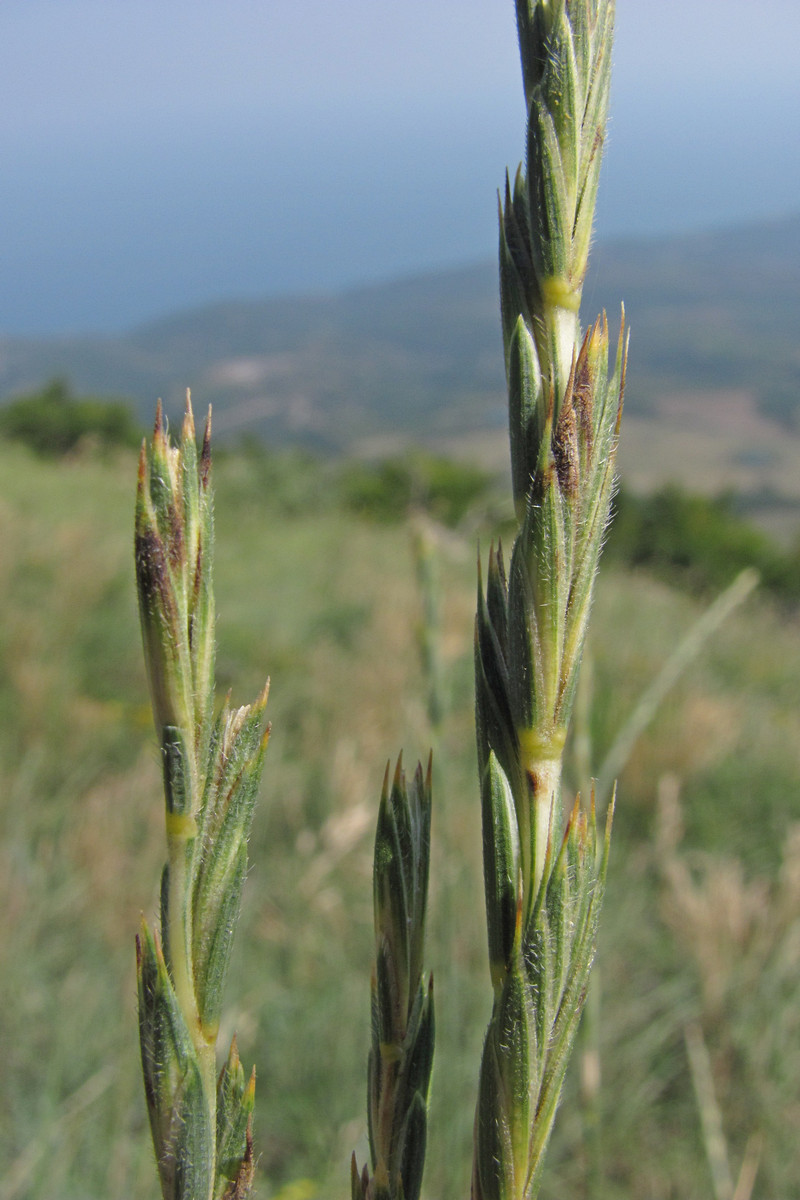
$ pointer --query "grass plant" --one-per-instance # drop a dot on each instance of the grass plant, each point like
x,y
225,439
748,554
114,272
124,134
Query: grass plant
x,y
401,1053
700,929
81,848
201,1123
543,881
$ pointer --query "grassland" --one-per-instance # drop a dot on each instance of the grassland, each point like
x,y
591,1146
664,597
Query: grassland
x,y
702,919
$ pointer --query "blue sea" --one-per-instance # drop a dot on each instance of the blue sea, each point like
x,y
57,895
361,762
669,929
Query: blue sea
x,y
101,232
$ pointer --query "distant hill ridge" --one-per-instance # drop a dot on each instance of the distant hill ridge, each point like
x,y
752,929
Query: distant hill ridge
x,y
422,356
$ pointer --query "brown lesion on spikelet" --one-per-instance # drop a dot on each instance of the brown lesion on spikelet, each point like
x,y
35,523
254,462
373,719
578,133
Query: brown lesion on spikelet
x,y
565,449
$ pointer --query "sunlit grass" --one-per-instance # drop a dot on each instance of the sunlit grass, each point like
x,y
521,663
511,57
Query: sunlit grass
x,y
331,614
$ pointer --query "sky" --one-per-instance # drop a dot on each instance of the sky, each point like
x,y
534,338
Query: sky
x,y
162,154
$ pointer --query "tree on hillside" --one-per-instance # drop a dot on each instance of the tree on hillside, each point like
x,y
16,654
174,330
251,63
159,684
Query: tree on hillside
x,y
54,422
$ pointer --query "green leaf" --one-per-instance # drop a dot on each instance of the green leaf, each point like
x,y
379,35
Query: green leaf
x,y
402,1013
412,1146
176,760
525,409
419,1047
213,941
501,868
494,1159
507,1086
496,725
176,1100
526,679
238,747
235,1103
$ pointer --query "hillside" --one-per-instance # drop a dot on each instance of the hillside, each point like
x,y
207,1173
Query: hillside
x,y
714,356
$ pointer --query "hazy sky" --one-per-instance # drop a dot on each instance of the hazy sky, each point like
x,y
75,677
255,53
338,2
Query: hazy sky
x,y
162,153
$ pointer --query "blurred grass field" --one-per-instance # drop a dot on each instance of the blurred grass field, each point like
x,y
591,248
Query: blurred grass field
x,y
702,917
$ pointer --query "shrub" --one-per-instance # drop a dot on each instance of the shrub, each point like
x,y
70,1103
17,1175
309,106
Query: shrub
x,y
387,490
698,540
54,422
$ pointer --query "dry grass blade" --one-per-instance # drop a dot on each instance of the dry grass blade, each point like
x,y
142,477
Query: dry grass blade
x,y
685,652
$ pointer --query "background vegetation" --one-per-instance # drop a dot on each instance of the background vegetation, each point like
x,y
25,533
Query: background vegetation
x,y
420,357
317,587
53,421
